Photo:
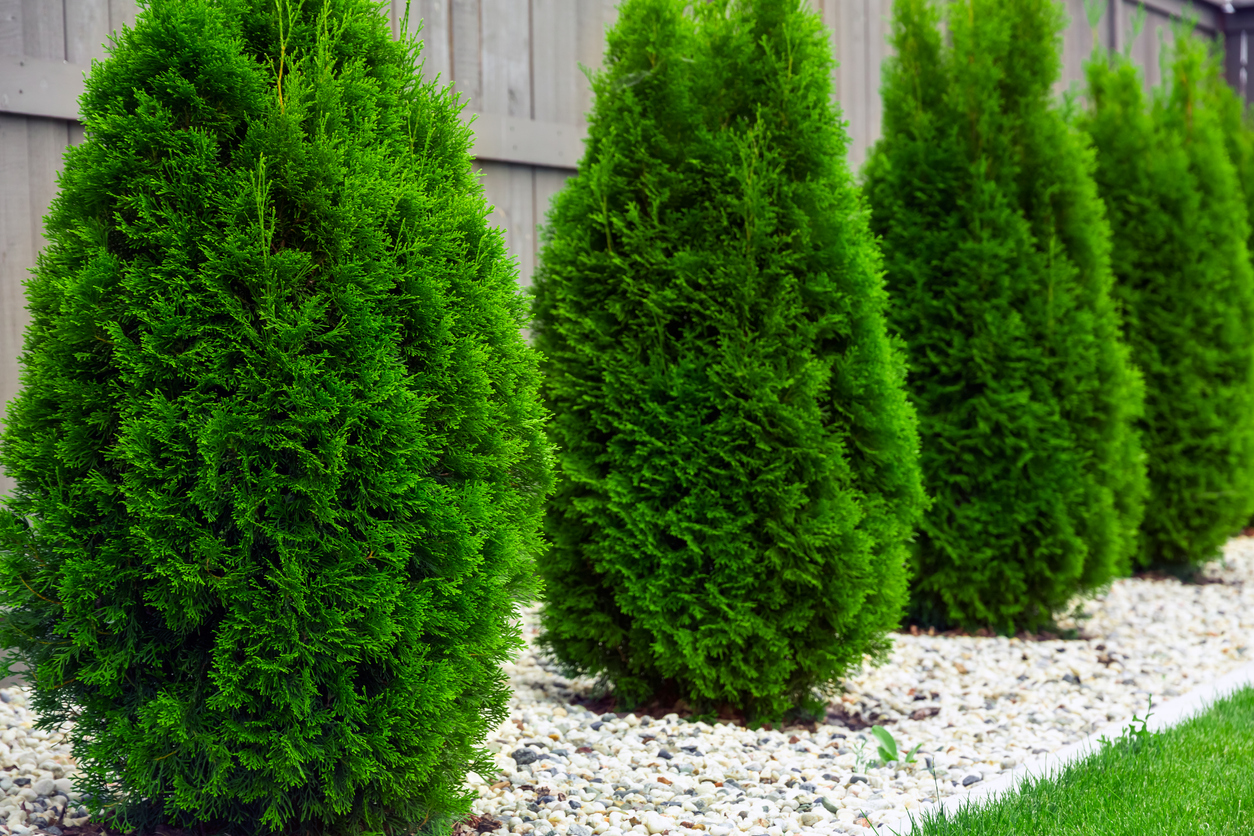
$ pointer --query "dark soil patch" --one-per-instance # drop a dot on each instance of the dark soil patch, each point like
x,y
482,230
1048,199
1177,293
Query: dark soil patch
x,y
473,826
1192,579
108,828
660,706
986,633
476,825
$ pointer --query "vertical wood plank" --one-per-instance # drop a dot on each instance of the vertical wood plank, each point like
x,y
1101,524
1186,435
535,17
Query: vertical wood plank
x,y
1146,49
17,254
505,50
11,28
122,13
29,162
86,30
466,51
554,61
1077,47
1118,24
879,25
43,29
436,31
46,143
829,10
853,55
510,191
594,17
549,181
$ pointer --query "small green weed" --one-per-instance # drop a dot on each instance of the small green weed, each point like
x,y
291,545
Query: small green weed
x,y
1133,740
888,746
858,755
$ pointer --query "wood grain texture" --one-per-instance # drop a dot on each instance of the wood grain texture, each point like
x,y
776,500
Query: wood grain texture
x,y
549,181
554,61
1117,12
17,255
1077,47
852,54
11,28
43,29
1147,49
86,30
505,58
47,140
122,13
518,59
510,193
593,17
466,51
828,11
879,26
436,31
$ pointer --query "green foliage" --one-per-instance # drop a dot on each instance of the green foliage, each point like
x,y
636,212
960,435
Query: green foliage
x,y
1133,740
1195,777
1184,280
1236,121
997,259
279,449
740,460
887,746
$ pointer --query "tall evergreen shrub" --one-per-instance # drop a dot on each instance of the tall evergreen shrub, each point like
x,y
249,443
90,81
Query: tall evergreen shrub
x,y
739,457
997,258
279,455
1183,277
1237,125
1237,121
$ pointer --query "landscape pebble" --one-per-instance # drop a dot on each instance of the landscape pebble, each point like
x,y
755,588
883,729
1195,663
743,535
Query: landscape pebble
x,y
976,707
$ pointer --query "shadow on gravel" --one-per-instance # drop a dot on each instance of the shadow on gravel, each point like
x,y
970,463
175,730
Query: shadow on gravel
x,y
986,633
837,714
472,826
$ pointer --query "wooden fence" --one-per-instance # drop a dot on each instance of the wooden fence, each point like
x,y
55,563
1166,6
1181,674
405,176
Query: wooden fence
x,y
517,62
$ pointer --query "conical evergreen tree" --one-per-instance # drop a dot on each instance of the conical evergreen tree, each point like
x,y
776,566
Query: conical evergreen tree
x,y
740,460
1236,121
279,448
1183,278
997,258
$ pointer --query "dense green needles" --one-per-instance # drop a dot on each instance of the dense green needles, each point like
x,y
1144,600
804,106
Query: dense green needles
x,y
739,456
279,451
1236,121
1197,777
1184,280
997,259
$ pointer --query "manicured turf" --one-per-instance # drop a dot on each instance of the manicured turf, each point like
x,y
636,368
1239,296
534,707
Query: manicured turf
x,y
1195,778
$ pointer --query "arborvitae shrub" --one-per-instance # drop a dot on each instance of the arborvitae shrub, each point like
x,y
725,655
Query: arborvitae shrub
x,y
279,448
1183,278
997,259
1236,121
739,457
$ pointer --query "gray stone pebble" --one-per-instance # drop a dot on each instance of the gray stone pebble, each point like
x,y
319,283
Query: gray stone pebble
x,y
997,702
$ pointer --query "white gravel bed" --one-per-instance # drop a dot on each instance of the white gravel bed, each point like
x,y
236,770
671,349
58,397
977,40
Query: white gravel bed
x,y
978,707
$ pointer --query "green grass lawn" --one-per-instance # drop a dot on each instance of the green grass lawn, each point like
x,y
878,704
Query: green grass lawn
x,y
1195,778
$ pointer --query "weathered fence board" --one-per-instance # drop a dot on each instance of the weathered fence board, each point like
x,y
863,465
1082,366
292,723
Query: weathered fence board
x,y
517,63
